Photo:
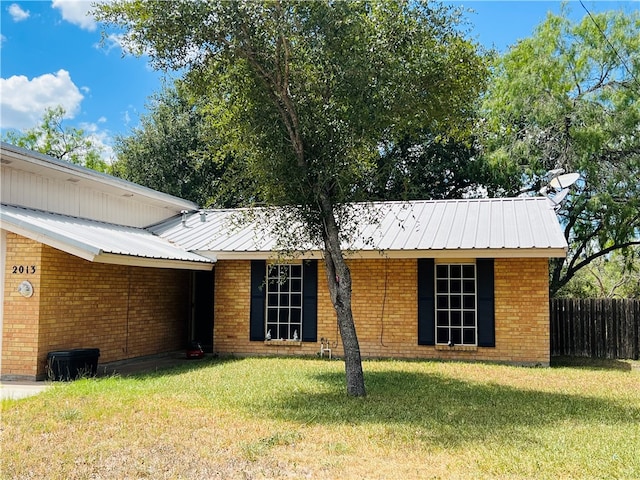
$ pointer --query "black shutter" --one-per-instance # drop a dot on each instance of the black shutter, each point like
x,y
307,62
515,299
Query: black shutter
x,y
426,302
486,307
310,301
258,294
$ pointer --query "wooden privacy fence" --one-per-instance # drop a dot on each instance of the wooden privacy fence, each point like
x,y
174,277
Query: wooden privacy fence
x,y
597,328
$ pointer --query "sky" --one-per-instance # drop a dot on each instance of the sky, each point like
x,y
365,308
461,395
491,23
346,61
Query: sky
x,y
51,54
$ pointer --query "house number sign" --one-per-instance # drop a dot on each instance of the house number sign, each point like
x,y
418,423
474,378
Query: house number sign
x,y
22,269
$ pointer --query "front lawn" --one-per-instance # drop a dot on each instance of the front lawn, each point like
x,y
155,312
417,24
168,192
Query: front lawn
x,y
268,418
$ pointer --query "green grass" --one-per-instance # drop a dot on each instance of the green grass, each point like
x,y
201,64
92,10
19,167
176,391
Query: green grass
x,y
290,418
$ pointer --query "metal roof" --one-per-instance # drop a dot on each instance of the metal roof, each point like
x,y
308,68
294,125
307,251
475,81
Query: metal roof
x,y
500,227
98,241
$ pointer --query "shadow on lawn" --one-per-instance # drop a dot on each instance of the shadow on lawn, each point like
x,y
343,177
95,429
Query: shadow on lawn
x,y
588,363
438,409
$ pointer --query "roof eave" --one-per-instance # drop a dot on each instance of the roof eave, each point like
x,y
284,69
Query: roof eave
x,y
550,252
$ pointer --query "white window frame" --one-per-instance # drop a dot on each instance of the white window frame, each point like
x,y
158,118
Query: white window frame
x,y
284,298
456,306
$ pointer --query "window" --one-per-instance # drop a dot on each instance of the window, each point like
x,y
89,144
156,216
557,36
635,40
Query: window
x,y
284,302
284,298
456,304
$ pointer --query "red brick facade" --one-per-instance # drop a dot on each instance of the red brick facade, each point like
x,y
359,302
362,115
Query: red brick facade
x,y
124,311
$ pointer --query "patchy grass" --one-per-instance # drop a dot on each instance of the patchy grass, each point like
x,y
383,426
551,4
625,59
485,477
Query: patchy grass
x,y
273,418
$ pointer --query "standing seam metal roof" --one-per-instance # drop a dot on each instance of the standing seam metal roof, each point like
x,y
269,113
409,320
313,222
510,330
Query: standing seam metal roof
x,y
523,223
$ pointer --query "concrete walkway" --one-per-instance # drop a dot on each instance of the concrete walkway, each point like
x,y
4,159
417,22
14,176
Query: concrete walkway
x,y
21,389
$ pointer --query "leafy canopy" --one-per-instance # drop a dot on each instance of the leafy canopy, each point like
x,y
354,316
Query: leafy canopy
x,y
569,97
52,138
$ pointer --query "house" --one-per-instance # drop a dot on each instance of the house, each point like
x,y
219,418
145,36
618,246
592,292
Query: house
x,y
133,272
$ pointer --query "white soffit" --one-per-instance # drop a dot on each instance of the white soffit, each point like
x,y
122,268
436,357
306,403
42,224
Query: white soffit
x,y
99,242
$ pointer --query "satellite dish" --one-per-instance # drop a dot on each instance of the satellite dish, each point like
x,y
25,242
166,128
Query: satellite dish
x,y
554,173
559,197
564,181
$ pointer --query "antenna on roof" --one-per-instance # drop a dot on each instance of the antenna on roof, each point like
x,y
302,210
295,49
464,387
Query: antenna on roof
x,y
558,185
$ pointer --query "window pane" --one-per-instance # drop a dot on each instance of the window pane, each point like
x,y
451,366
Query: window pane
x,y
442,286
443,302
455,271
469,286
469,302
284,299
468,271
456,302
469,336
283,332
443,319
469,319
442,335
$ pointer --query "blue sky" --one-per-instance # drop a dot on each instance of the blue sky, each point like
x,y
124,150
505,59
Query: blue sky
x,y
50,54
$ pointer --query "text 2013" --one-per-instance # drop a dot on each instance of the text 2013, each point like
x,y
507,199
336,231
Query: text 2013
x,y
23,269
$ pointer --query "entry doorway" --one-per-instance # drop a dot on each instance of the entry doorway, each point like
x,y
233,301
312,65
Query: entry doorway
x,y
202,309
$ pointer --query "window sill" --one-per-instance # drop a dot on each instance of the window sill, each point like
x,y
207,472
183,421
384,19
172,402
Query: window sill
x,y
285,343
457,348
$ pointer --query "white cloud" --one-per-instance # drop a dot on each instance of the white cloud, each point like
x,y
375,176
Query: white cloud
x,y
77,12
23,101
100,140
17,13
2,39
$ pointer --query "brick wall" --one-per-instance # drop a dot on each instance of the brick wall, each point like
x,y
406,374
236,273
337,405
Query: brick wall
x,y
385,311
20,325
124,311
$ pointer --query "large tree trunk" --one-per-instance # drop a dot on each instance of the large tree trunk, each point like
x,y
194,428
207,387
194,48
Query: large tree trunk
x,y
339,281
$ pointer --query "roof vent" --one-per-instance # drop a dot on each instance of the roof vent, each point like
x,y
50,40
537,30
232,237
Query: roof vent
x,y
184,217
203,216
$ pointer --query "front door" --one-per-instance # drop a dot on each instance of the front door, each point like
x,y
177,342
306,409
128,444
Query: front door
x,y
202,322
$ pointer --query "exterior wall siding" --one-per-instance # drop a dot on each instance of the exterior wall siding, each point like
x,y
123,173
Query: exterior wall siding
x,y
61,196
385,311
126,312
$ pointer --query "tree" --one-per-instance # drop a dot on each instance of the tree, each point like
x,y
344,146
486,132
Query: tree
x,y
173,151
427,167
64,143
307,92
608,276
569,97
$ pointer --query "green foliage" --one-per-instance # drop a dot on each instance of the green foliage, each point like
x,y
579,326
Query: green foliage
x,y
64,143
611,276
569,97
175,151
432,168
306,92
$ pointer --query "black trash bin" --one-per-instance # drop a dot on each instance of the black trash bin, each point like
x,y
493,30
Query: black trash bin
x,y
68,365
